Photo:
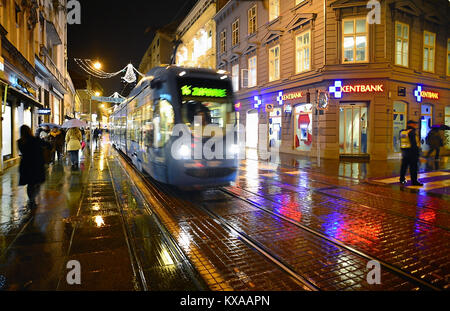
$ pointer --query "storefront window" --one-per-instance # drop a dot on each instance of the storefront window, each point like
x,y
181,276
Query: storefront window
x,y
400,115
27,117
252,128
6,132
353,123
303,127
56,111
275,128
447,122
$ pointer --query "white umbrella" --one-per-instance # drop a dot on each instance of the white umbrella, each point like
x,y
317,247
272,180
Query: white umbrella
x,y
74,123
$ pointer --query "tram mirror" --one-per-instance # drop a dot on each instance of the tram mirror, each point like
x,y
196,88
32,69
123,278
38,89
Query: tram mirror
x,y
155,84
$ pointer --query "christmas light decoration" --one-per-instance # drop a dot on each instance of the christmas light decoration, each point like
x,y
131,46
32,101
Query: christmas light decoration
x,y
94,70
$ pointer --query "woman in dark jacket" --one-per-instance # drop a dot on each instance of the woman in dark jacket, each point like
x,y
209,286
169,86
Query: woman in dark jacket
x,y
32,164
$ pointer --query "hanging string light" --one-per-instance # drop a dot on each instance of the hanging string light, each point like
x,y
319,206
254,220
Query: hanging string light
x,y
89,67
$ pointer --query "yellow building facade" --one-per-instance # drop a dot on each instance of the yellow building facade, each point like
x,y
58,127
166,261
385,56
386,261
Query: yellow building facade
x,y
197,33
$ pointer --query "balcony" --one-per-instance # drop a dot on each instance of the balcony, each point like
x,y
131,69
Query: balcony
x,y
52,68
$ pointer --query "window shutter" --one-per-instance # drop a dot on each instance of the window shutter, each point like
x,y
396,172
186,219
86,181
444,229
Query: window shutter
x,y
244,78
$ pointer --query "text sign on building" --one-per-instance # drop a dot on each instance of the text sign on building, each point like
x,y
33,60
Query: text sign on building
x,y
108,99
289,96
188,90
45,111
419,93
337,89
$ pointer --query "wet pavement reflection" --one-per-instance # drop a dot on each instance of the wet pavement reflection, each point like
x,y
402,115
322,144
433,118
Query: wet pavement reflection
x,y
284,225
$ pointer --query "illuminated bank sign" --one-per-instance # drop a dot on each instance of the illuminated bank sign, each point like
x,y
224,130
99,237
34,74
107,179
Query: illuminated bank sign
x,y
337,89
289,96
188,90
419,93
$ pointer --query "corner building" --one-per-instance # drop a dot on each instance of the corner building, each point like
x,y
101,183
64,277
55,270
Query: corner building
x,y
285,55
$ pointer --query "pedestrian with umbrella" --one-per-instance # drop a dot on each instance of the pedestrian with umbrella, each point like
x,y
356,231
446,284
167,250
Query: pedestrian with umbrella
x,y
74,139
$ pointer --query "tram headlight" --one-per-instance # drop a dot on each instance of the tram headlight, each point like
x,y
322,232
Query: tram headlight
x,y
184,151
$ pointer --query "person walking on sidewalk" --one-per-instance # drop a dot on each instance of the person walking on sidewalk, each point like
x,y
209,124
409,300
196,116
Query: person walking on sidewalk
x,y
32,163
410,145
57,138
435,141
73,140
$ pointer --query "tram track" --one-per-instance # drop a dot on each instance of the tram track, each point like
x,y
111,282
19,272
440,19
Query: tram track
x,y
261,250
338,243
258,247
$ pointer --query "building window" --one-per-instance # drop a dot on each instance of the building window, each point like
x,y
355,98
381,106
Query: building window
x,y
252,71
429,42
303,55
274,63
235,33
401,44
355,40
235,77
448,57
274,9
223,41
252,20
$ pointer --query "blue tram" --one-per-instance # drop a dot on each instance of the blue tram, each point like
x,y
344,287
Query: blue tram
x,y
146,127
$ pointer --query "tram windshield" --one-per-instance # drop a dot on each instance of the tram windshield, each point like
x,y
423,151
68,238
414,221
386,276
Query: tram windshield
x,y
205,102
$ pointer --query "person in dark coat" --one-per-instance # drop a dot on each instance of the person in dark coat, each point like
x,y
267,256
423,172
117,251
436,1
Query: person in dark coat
x,y
410,145
32,163
435,142
58,139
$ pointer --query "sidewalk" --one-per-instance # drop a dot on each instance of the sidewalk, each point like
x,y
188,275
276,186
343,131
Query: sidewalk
x,y
78,218
435,174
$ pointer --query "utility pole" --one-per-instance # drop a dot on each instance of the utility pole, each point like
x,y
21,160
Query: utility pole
x,y
90,113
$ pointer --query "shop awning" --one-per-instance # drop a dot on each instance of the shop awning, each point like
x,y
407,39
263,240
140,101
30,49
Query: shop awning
x,y
27,99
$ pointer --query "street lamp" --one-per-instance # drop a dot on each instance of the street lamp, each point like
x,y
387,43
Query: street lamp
x,y
97,65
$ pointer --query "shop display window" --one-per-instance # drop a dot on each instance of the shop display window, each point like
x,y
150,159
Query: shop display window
x,y
303,127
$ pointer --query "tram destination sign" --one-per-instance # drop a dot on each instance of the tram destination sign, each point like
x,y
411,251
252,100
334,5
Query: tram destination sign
x,y
189,90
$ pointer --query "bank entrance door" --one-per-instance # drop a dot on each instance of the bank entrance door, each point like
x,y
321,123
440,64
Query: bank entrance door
x,y
353,128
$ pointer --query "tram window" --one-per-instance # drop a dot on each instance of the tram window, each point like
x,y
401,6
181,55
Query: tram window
x,y
214,113
147,125
163,123
137,125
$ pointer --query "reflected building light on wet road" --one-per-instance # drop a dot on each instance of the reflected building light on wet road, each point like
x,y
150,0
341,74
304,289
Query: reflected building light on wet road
x,y
99,221
184,240
165,256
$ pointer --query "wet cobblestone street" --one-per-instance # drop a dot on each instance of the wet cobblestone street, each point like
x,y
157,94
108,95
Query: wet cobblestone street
x,y
280,226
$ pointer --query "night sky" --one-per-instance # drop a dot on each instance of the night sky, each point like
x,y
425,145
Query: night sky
x,y
119,32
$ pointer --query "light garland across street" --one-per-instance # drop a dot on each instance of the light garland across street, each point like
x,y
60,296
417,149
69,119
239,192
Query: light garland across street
x,y
88,67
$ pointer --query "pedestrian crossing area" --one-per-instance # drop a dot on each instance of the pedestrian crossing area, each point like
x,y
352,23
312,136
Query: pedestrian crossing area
x,y
438,181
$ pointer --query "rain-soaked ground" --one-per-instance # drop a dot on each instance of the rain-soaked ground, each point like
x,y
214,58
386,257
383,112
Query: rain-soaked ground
x,y
290,224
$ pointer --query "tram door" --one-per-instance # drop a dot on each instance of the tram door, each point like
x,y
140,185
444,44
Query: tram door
x,y
353,123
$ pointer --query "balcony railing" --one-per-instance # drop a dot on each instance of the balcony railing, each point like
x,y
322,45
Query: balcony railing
x,y
48,62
